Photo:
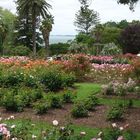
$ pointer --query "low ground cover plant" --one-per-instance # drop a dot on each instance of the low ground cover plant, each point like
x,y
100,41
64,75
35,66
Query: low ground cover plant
x,y
79,110
118,88
16,129
91,102
115,113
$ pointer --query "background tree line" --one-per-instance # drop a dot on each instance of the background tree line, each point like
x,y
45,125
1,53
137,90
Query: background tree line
x,y
27,32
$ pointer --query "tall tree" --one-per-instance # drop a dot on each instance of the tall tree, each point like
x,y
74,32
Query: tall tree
x,y
85,17
7,27
36,8
3,33
130,39
46,28
129,2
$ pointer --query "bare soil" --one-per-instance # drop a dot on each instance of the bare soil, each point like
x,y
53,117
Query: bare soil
x,y
96,119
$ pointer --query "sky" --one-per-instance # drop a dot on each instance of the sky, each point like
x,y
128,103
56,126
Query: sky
x,y
64,13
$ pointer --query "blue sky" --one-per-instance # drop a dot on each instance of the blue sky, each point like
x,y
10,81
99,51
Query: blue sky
x,y
64,12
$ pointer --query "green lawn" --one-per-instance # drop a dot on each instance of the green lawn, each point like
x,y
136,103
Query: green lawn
x,y
39,126
85,89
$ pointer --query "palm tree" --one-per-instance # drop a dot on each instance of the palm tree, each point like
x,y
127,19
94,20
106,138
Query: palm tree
x,y
3,34
46,28
36,8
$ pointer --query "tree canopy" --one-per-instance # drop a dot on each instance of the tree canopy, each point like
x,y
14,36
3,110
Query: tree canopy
x,y
85,17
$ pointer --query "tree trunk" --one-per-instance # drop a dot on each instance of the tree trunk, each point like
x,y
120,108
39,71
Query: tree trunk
x,y
46,35
47,45
34,35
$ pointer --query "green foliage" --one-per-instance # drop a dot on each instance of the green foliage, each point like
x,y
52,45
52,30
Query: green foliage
x,y
63,133
8,19
85,39
115,113
33,9
91,102
79,110
78,48
68,79
106,34
41,107
19,51
13,102
68,97
12,78
16,99
112,134
52,80
85,18
59,48
56,101
22,130
110,49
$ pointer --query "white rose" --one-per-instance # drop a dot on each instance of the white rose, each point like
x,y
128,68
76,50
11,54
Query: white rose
x,y
55,122
13,126
114,125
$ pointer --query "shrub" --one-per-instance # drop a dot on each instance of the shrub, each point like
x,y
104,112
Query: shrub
x,y
52,80
108,90
110,49
68,97
78,64
91,102
115,113
30,96
68,80
129,103
55,79
136,69
30,81
12,78
56,102
79,110
59,48
13,102
41,107
20,51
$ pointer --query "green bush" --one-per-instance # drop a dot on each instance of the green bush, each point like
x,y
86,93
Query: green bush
x,y
13,102
12,79
115,113
68,97
59,48
41,107
30,81
19,51
79,110
56,101
30,96
91,102
68,80
52,80
110,49
55,79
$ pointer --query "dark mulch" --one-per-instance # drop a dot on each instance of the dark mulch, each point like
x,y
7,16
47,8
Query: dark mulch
x,y
96,119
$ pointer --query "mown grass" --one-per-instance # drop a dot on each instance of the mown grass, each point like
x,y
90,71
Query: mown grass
x,y
85,89
36,128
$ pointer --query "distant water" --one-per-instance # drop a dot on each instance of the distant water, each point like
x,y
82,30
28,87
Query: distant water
x,y
60,38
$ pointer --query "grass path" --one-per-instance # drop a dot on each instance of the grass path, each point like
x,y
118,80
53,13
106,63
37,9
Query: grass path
x,y
85,89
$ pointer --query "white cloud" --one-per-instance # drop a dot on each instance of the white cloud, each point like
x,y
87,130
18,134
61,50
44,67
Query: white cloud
x,y
64,12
